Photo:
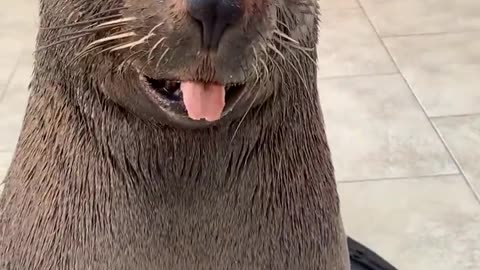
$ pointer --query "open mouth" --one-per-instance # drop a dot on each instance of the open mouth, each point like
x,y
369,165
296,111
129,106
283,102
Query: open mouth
x,y
168,89
198,100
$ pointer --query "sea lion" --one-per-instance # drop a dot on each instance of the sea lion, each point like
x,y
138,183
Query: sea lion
x,y
173,134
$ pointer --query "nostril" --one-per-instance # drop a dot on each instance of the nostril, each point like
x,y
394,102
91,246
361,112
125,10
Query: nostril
x,y
214,17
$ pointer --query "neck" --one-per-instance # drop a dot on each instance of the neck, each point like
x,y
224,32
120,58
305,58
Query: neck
x,y
146,196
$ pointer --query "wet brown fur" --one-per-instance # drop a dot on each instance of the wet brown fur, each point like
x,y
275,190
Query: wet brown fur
x,y
97,184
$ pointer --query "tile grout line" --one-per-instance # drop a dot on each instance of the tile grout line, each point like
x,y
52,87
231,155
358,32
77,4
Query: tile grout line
x,y
10,78
379,38
336,77
395,178
455,161
455,115
428,34
332,8
433,33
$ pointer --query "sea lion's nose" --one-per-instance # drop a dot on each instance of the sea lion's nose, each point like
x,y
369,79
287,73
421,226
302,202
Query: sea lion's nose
x,y
215,16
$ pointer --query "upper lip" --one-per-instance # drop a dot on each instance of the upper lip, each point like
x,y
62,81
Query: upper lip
x,y
175,83
227,85
178,80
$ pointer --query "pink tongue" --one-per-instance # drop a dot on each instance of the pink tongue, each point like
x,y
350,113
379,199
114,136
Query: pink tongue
x,y
203,100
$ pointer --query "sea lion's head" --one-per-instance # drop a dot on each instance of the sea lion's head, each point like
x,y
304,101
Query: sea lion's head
x,y
191,63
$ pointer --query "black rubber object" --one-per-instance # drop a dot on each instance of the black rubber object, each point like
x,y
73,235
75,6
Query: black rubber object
x,y
362,258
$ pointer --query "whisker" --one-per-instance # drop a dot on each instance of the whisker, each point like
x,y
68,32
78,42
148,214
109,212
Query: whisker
x,y
244,116
132,44
292,43
122,20
155,27
154,47
257,74
138,57
102,51
112,10
101,42
302,78
41,48
161,57
280,33
82,22
275,63
304,52
93,30
299,47
271,46
110,38
122,65
144,65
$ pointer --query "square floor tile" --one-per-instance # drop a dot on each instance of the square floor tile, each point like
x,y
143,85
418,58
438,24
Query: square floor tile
x,y
416,224
442,70
462,136
21,75
401,17
15,41
376,129
348,45
5,159
336,4
10,50
19,23
10,125
19,16
13,105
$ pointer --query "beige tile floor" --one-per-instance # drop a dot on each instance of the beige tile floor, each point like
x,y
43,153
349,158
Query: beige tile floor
x,y
399,83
